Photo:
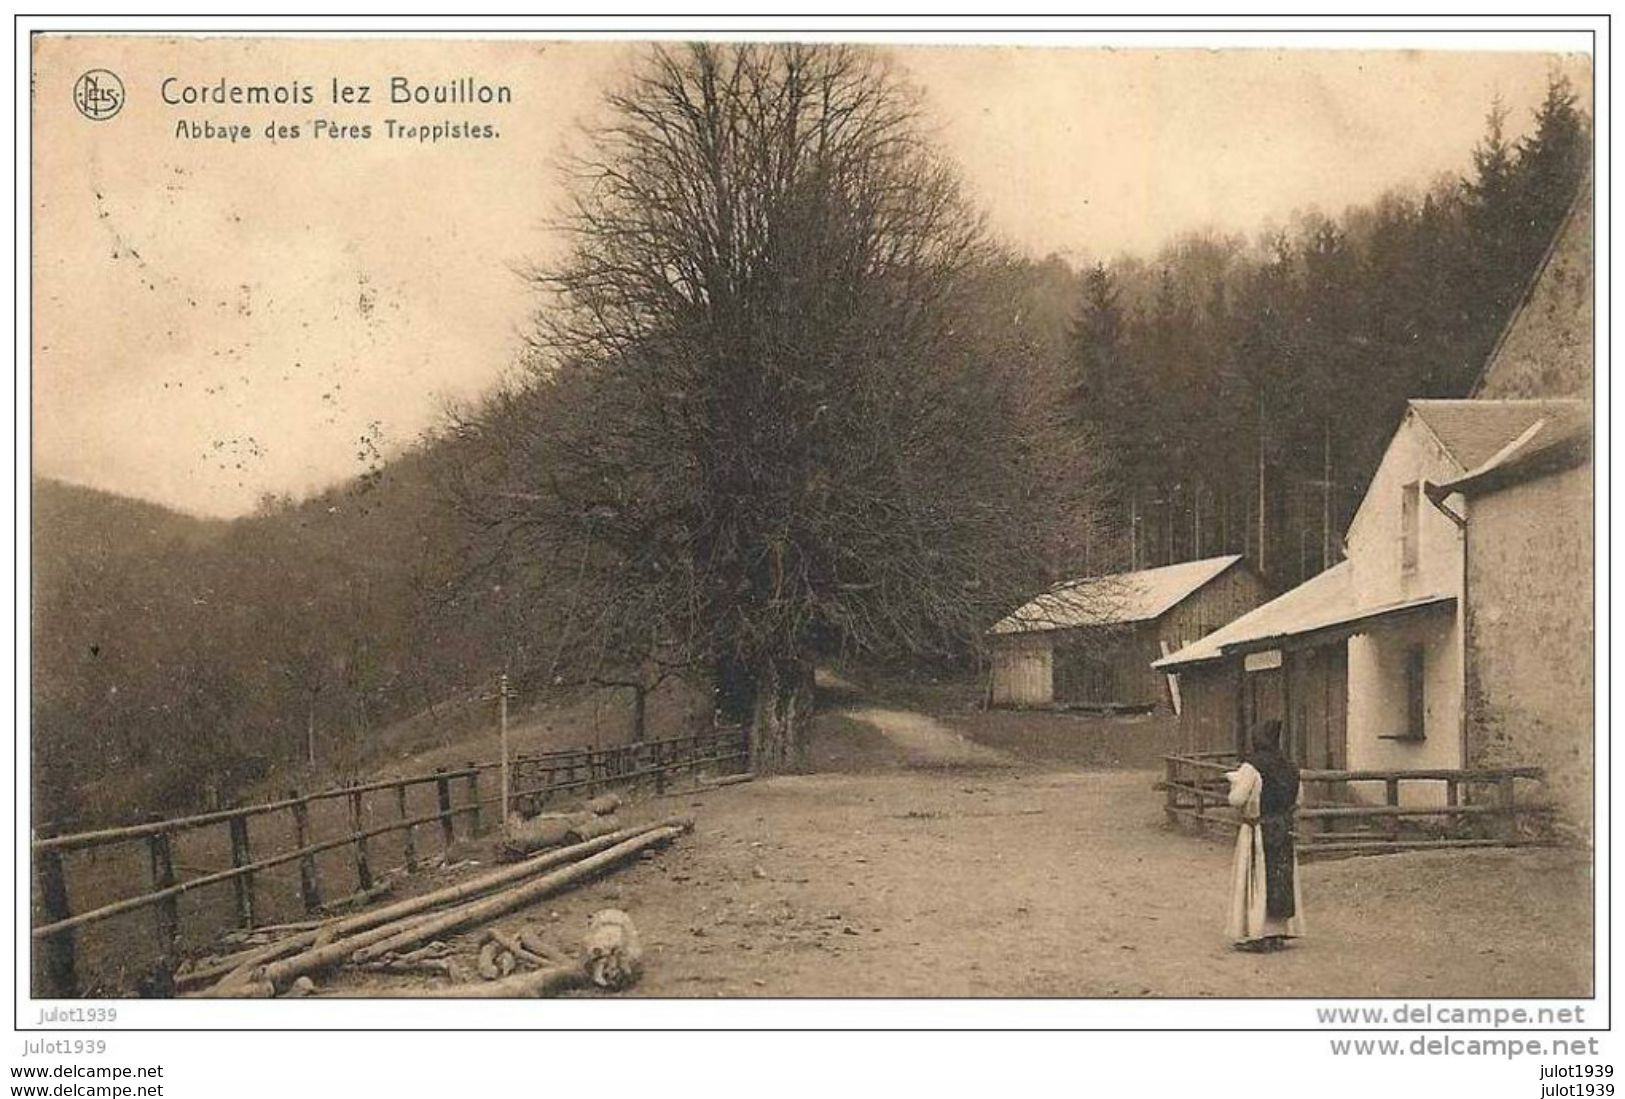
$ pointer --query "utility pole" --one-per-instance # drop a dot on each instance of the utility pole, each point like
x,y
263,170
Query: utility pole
x,y
1326,499
1263,554
502,738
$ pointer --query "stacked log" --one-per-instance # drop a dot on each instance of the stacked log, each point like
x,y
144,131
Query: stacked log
x,y
525,893
596,818
397,930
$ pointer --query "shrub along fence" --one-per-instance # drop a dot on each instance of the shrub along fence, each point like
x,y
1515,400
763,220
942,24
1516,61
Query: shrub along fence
x,y
248,866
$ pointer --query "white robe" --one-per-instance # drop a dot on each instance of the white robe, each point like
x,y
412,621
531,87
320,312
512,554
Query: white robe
x,y
1248,918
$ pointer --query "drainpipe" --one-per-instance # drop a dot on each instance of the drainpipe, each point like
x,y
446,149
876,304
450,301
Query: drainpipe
x,y
1437,494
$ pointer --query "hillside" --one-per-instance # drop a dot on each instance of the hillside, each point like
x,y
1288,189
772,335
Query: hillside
x,y
181,663
177,659
76,528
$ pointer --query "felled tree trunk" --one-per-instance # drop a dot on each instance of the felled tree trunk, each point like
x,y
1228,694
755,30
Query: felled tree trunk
x,y
784,694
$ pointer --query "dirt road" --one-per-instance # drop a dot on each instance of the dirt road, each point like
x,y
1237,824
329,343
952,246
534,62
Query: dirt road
x,y
921,863
924,742
1006,881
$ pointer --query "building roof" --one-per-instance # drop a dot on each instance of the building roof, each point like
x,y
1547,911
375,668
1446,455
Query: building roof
x,y
1558,440
1326,603
1115,599
1474,431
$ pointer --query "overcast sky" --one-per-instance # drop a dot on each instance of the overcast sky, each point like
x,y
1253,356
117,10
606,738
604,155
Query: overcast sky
x,y
215,320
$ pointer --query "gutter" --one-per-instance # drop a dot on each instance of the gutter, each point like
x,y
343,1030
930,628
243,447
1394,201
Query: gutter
x,y
1437,494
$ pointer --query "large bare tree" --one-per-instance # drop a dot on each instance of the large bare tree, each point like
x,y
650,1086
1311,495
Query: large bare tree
x,y
782,404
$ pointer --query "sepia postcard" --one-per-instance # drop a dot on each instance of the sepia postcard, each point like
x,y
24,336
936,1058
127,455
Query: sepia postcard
x,y
784,517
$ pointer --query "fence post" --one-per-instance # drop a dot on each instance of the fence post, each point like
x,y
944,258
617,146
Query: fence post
x,y
1508,802
309,887
1170,775
1452,799
410,856
1392,787
60,978
473,798
167,910
442,786
244,883
363,871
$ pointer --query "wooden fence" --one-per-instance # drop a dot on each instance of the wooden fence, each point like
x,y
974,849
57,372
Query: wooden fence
x,y
415,817
1341,812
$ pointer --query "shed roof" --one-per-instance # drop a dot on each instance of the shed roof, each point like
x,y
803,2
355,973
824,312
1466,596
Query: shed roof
x,y
1115,599
1327,603
1474,431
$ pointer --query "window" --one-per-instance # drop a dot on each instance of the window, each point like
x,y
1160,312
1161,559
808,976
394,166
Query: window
x,y
1410,516
1415,693
1415,720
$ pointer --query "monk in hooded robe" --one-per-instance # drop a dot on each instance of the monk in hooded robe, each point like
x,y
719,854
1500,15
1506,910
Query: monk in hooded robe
x,y
1266,906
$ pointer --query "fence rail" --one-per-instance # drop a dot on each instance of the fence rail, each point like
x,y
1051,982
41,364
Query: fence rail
x,y
535,779
1348,812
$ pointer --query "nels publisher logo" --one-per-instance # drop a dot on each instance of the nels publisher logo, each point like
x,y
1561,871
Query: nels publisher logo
x,y
98,94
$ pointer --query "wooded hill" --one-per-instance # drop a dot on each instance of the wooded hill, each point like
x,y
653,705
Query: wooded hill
x,y
1230,378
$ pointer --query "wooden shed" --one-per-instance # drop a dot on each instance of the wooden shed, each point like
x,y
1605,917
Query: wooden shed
x,y
1089,643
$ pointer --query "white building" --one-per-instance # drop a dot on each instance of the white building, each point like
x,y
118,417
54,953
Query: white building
x,y
1365,664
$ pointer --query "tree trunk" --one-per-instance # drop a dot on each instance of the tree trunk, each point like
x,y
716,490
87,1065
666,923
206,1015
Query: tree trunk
x,y
640,697
1169,533
428,698
735,691
784,691
1134,531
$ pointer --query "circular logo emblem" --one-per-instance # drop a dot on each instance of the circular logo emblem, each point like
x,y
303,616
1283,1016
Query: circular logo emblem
x,y
98,94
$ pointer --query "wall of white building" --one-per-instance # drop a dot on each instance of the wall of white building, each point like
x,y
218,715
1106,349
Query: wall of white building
x,y
1375,536
1378,700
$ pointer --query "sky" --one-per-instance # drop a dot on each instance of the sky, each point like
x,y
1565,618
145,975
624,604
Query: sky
x,y
219,319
